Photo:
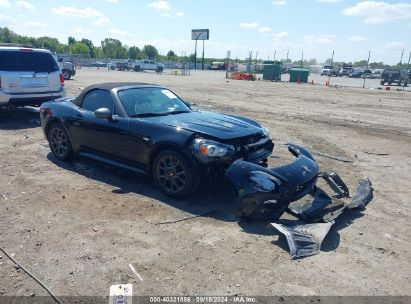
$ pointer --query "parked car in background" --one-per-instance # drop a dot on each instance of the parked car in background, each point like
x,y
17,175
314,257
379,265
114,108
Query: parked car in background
x,y
147,65
357,73
99,64
329,70
366,73
376,73
67,68
286,67
29,76
148,129
391,76
119,65
345,71
217,65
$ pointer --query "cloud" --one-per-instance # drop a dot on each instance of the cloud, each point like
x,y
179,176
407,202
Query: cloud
x,y
264,29
180,14
112,1
5,4
379,12
330,1
101,21
81,30
159,5
358,39
120,33
282,35
25,5
35,24
87,12
320,39
165,14
280,2
6,19
71,11
249,25
395,45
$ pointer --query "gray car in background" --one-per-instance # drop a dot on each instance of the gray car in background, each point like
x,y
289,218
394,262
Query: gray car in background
x,y
29,76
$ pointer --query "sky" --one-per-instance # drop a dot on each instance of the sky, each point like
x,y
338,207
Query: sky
x,y
315,28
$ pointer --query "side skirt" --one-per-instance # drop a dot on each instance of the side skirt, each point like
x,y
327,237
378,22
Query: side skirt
x,y
113,162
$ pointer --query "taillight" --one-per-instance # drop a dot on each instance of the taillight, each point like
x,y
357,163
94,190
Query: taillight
x,y
61,80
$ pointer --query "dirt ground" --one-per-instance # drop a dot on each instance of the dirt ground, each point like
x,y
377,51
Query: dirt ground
x,y
78,225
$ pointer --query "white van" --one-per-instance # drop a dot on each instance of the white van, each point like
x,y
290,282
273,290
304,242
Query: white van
x,y
29,76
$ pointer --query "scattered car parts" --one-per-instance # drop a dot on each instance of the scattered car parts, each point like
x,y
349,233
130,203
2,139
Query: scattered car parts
x,y
266,193
363,194
304,240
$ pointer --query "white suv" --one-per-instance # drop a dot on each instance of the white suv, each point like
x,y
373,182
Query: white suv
x,y
29,76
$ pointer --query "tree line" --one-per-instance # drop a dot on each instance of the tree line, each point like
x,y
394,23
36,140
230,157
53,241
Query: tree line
x,y
109,48
114,48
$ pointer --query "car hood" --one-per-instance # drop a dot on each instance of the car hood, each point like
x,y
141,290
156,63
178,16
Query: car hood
x,y
217,125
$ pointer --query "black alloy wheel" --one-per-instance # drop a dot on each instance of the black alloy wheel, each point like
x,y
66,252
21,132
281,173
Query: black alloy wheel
x,y
174,176
59,142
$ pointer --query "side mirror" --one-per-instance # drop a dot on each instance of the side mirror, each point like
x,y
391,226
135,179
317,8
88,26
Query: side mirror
x,y
104,113
60,59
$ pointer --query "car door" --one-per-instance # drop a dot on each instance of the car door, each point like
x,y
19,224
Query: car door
x,y
100,135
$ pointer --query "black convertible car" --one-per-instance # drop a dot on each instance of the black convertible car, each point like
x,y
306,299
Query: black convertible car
x,y
149,129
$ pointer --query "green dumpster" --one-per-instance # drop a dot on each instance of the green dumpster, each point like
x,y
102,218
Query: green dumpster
x,y
299,75
272,70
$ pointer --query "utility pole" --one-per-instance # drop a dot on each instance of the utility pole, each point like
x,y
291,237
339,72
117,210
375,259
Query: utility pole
x,y
275,52
202,60
332,61
228,64
288,51
402,54
408,68
195,56
368,63
302,58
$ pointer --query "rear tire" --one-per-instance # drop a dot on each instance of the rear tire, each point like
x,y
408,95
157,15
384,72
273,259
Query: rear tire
x,y
59,142
66,74
173,174
159,70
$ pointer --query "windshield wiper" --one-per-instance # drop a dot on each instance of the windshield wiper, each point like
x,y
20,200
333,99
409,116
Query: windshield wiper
x,y
159,114
147,115
176,112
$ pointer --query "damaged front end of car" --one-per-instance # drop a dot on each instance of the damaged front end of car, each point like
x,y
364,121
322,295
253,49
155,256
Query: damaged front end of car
x,y
266,193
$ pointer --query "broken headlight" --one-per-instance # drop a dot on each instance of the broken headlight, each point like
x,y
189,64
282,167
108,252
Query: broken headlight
x,y
206,150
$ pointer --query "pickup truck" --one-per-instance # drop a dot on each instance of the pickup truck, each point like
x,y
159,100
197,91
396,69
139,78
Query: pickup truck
x,y
149,65
329,70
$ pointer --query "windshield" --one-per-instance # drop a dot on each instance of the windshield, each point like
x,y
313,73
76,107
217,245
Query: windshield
x,y
27,61
140,102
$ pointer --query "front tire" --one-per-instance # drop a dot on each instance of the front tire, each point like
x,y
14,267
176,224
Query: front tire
x,y
59,142
173,174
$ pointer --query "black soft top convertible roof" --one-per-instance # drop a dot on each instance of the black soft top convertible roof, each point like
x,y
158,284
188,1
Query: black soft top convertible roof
x,y
107,87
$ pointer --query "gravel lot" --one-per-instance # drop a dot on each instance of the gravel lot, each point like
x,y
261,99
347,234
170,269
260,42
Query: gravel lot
x,y
78,225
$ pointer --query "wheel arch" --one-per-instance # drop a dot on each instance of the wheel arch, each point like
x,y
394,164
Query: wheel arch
x,y
55,120
160,147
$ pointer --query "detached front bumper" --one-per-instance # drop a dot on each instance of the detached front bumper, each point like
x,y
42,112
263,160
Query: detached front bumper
x,y
266,193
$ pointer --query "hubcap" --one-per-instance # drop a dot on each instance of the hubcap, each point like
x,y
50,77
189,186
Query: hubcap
x,y
58,142
171,174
